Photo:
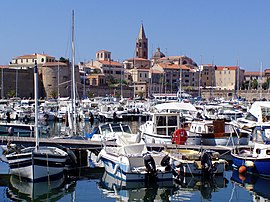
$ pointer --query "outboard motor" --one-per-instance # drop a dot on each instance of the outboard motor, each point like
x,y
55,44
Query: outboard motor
x,y
166,163
207,166
149,163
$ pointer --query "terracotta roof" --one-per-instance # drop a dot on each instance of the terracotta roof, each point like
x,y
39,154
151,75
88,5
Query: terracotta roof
x,y
253,73
104,62
32,56
54,64
172,66
221,68
267,70
139,59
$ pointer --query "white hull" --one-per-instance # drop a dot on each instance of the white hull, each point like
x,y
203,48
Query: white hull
x,y
158,139
45,164
132,167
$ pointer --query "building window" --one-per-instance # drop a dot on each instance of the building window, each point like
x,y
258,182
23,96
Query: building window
x,y
42,59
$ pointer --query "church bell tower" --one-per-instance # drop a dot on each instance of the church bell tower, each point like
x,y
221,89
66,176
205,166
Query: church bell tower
x,y
142,44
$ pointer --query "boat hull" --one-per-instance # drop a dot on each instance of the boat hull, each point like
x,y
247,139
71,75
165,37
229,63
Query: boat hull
x,y
37,166
260,166
121,168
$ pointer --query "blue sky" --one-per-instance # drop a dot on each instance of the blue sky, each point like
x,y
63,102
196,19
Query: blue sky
x,y
224,32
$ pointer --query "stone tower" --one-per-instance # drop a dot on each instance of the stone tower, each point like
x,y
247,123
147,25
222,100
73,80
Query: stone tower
x,y
142,44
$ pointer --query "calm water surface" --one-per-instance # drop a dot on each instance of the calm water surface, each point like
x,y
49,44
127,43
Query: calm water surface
x,y
96,185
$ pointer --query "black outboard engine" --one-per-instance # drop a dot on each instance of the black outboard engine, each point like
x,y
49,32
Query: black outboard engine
x,y
166,163
207,166
149,164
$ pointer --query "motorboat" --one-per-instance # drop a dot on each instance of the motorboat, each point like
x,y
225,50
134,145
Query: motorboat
x,y
218,132
165,119
131,161
255,157
254,160
193,162
109,131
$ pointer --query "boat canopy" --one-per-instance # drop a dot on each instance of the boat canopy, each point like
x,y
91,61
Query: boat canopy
x,y
173,106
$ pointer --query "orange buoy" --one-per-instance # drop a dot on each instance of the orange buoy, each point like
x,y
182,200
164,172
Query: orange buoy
x,y
242,169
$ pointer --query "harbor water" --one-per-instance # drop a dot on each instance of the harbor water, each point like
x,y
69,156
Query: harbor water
x,y
94,184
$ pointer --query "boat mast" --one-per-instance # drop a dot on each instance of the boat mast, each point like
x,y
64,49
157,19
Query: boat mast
x,y
73,102
180,79
261,82
36,103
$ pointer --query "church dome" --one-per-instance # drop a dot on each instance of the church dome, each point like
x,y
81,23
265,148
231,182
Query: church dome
x,y
158,54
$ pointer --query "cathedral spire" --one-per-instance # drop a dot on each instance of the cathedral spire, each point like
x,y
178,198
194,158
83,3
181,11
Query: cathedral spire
x,y
142,44
141,33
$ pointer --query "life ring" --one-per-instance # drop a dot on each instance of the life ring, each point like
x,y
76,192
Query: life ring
x,y
179,136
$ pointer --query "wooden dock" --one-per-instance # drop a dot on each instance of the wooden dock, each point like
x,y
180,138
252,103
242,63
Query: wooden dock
x,y
97,145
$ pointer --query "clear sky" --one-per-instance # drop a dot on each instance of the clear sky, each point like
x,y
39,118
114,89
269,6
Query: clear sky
x,y
227,32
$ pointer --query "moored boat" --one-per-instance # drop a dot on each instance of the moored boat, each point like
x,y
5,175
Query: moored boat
x,y
130,161
192,162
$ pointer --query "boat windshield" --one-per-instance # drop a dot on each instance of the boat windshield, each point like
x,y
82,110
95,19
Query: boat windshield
x,y
116,128
106,129
126,128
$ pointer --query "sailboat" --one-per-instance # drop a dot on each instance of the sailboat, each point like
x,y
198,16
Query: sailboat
x,y
37,163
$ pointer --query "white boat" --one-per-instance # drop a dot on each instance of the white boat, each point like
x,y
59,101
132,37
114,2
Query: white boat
x,y
165,120
259,113
130,161
109,131
37,163
218,132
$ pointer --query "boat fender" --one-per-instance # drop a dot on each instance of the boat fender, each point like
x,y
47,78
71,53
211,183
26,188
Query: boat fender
x,y
149,163
249,164
242,169
115,169
98,157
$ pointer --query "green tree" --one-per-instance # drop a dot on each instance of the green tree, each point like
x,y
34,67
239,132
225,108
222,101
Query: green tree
x,y
64,60
53,94
265,85
254,84
11,93
90,94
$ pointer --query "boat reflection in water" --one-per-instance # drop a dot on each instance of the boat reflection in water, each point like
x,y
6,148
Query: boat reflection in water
x,y
257,185
188,184
135,191
21,189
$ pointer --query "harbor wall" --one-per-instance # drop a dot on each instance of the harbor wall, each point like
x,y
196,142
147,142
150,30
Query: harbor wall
x,y
249,95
